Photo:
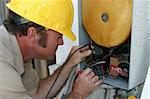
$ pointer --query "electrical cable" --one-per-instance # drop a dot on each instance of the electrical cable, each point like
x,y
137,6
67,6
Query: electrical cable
x,y
63,67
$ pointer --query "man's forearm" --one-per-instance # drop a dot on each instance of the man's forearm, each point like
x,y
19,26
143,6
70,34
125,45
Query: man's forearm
x,y
46,84
75,95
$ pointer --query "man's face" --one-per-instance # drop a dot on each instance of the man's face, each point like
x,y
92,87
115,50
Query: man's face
x,y
54,39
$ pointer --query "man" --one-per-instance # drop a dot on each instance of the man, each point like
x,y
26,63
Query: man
x,y
22,40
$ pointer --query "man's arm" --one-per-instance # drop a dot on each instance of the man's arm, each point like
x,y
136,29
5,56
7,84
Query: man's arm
x,y
47,83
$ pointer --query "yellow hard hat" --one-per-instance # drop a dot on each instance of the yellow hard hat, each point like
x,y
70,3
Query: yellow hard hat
x,y
108,22
51,14
131,97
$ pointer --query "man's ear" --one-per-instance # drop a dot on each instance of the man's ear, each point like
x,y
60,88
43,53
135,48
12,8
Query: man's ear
x,y
32,34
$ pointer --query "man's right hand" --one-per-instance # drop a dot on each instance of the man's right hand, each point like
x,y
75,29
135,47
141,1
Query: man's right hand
x,y
84,84
77,55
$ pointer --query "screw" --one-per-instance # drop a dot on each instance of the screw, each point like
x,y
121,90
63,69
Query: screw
x,y
104,17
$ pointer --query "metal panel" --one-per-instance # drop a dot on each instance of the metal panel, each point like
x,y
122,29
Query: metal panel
x,y
3,11
140,38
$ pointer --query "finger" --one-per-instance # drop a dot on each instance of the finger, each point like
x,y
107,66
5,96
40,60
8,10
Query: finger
x,y
95,79
75,48
86,53
98,82
79,48
91,75
87,47
86,72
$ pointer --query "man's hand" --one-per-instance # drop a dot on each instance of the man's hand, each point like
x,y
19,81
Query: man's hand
x,y
84,84
77,55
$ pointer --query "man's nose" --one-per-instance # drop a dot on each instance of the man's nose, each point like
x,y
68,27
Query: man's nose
x,y
61,41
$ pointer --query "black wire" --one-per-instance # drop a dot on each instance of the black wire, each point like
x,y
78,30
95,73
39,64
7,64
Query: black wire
x,y
63,67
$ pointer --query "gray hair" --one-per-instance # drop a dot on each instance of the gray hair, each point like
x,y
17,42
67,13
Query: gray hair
x,y
16,24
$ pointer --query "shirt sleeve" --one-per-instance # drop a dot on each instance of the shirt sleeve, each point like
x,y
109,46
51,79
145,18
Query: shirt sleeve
x,y
11,86
30,77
